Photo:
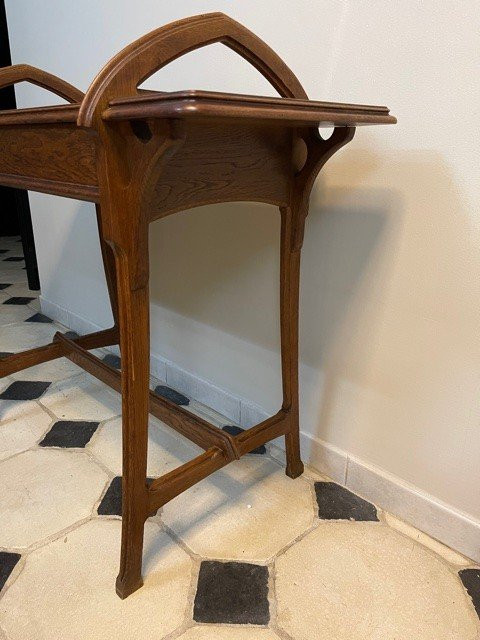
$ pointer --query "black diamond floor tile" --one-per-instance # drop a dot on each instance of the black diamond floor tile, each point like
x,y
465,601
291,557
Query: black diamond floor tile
x,y
172,395
111,504
233,430
337,503
232,593
113,361
71,335
14,259
39,317
471,582
18,300
24,390
7,565
67,434
4,285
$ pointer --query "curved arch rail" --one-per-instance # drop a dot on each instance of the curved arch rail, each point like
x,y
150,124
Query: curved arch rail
x,y
26,73
144,57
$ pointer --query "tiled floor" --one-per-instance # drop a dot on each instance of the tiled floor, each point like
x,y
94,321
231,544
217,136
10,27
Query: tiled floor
x,y
246,554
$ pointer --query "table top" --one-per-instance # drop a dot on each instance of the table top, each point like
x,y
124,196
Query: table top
x,y
210,104
213,105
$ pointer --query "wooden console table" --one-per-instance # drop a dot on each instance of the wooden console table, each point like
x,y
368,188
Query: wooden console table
x,y
141,155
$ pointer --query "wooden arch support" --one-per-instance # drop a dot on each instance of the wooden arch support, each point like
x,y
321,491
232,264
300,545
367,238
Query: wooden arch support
x,y
144,57
26,73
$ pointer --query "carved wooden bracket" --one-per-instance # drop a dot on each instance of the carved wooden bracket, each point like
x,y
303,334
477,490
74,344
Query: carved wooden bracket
x,y
318,152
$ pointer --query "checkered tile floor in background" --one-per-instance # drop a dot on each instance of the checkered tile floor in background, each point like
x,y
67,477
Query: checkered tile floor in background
x,y
245,554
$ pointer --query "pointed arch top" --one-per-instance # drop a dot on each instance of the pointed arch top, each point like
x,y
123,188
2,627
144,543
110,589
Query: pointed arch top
x,y
121,76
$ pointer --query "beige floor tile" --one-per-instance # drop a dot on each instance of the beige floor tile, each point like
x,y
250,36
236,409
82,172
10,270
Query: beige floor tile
x,y
14,313
368,582
35,305
166,449
249,509
227,633
21,289
7,265
12,275
18,337
67,590
45,491
5,382
22,424
49,371
82,398
9,269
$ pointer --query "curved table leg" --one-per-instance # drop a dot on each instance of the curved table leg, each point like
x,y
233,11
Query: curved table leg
x,y
108,259
133,307
289,289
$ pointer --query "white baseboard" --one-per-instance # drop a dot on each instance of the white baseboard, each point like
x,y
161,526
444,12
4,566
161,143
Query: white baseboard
x,y
457,530
425,512
238,410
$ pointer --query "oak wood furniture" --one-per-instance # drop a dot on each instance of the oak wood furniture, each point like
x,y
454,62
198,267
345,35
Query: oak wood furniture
x,y
141,155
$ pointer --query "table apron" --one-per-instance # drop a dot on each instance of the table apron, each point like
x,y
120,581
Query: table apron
x,y
52,158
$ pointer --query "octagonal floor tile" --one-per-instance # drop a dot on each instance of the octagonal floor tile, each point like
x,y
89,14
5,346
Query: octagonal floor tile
x,y
13,274
52,371
21,289
35,305
247,510
166,449
5,383
368,582
27,335
74,579
228,633
45,491
10,314
22,424
82,398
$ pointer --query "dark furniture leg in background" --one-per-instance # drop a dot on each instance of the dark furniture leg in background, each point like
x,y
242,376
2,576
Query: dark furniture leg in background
x,y
15,208
26,233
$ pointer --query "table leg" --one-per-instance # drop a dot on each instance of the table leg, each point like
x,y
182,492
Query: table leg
x,y
289,290
109,268
133,307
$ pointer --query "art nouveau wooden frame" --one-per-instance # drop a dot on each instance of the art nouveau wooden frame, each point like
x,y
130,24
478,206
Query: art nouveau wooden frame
x,y
141,156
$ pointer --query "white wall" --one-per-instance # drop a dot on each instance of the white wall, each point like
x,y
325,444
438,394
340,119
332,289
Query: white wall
x,y
390,300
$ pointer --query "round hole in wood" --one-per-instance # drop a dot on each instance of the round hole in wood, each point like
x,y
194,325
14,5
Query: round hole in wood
x,y
326,132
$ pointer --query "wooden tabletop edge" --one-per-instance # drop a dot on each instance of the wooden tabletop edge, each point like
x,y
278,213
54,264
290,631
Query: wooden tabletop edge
x,y
187,108
202,95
